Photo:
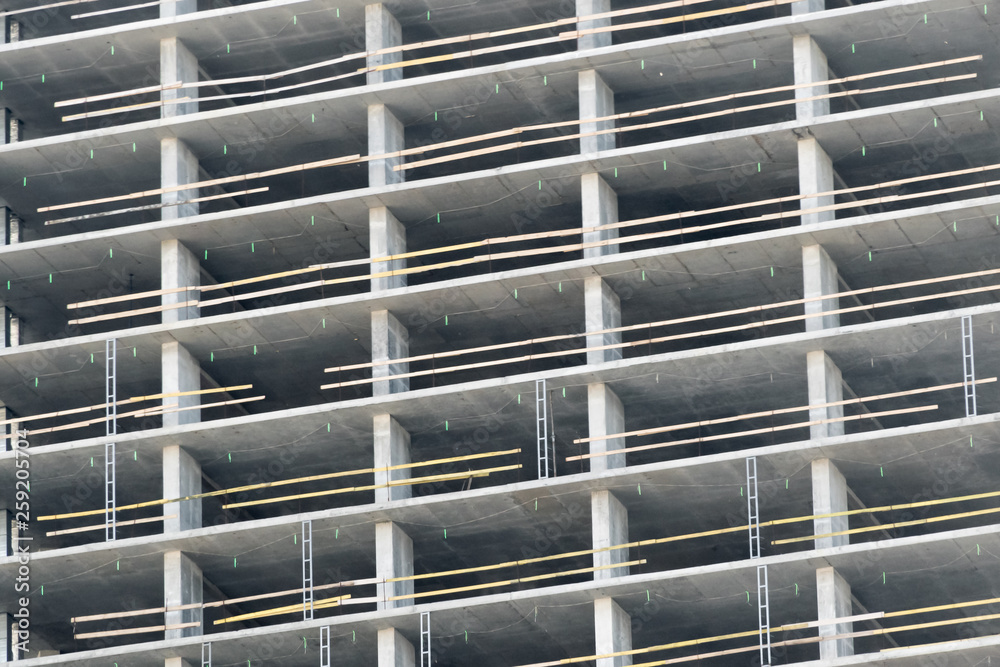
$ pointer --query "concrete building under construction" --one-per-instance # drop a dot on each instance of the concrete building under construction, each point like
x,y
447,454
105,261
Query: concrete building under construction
x,y
500,333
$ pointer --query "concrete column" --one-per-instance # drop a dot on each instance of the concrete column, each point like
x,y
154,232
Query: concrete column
x,y
6,533
825,386
10,226
605,415
603,311
387,236
600,207
12,30
829,496
392,448
809,64
589,8
7,429
833,600
393,558
815,175
177,8
182,584
10,328
178,268
7,638
612,632
177,65
394,650
385,135
181,477
176,662
390,340
178,166
819,277
807,6
609,527
12,130
382,30
181,372
597,100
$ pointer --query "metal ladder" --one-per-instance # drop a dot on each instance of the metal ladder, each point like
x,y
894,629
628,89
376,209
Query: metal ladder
x,y
206,654
763,616
324,647
110,429
753,510
546,461
968,367
425,639
307,570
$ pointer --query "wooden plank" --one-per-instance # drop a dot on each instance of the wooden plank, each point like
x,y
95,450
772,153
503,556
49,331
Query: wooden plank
x,y
126,401
519,580
36,8
285,482
306,166
756,431
145,412
370,487
101,526
780,411
149,207
135,631
898,524
516,145
286,609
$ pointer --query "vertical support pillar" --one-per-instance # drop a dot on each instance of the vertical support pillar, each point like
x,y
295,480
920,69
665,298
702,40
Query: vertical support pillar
x,y
613,633
181,372
609,527
392,448
176,662
807,6
10,328
390,340
181,477
394,650
829,490
178,166
178,268
815,176
605,416
382,31
819,277
13,30
596,100
833,600
177,8
182,585
12,129
387,236
825,386
10,226
600,207
809,64
603,311
8,639
177,65
593,40
385,135
393,558
6,533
